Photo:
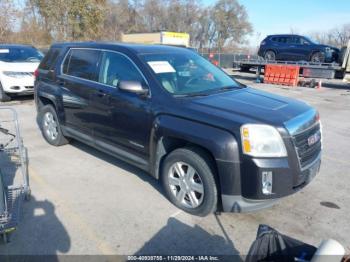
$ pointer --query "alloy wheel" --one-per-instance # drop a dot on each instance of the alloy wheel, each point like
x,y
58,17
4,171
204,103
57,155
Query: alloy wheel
x,y
186,185
270,56
50,126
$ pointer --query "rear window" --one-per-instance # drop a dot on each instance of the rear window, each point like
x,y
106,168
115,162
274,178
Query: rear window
x,y
82,63
50,59
20,54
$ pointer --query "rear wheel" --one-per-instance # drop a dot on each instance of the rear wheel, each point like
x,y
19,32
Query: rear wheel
x,y
270,55
189,182
50,127
317,57
3,96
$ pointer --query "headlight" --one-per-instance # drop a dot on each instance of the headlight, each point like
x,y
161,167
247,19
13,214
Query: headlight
x,y
262,141
15,74
328,49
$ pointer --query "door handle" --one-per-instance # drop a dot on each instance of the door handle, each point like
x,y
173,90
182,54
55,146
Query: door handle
x,y
101,93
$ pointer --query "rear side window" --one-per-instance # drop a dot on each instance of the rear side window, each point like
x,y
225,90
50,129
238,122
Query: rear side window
x,y
279,39
82,63
50,59
116,67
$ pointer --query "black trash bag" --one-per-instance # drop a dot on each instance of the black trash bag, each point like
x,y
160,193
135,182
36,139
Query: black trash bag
x,y
270,245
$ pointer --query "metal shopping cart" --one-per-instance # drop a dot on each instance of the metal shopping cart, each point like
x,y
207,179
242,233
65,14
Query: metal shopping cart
x,y
14,179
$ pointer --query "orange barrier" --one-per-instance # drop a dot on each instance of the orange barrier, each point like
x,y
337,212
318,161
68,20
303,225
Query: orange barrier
x,y
281,74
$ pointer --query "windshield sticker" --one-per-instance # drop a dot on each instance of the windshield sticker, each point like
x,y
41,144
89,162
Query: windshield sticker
x,y
4,51
160,67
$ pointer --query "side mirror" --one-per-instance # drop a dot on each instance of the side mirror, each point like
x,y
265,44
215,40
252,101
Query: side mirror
x,y
132,87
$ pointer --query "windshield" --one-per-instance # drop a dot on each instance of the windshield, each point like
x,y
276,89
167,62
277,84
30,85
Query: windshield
x,y
187,73
20,54
312,41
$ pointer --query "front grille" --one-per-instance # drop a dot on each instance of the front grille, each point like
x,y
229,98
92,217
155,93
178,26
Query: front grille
x,y
307,153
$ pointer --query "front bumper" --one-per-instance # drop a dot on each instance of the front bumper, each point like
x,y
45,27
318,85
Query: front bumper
x,y
331,56
286,181
23,85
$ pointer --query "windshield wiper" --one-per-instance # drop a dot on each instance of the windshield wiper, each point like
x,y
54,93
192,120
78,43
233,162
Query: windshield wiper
x,y
191,95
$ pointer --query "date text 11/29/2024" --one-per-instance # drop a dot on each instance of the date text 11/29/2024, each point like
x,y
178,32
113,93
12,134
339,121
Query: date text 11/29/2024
x,y
173,258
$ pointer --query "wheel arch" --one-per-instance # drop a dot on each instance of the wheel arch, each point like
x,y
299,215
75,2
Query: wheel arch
x,y
46,98
270,49
170,133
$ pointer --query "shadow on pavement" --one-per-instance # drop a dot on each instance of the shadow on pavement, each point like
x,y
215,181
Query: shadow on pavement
x,y
18,99
40,232
178,238
119,163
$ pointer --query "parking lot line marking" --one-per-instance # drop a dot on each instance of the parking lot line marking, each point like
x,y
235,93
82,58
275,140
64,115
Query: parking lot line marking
x,y
176,213
85,229
337,160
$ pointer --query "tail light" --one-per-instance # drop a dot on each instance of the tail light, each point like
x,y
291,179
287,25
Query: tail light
x,y
36,74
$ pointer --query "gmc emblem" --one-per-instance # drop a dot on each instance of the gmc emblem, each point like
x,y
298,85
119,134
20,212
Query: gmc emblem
x,y
313,139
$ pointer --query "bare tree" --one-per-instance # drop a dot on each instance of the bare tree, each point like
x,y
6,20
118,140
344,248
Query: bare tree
x,y
7,18
229,23
338,36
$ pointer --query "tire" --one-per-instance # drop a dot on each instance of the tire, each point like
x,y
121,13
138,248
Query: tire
x,y
3,96
270,55
50,126
195,191
317,57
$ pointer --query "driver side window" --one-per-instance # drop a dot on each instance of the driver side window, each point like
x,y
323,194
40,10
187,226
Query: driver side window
x,y
116,67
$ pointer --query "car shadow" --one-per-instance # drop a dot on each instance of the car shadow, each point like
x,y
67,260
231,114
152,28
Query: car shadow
x,y
38,231
178,238
342,85
119,163
18,99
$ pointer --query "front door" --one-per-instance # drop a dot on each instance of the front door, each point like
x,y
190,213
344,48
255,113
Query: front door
x,y
124,118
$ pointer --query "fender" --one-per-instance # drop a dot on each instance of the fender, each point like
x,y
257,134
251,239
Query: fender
x,y
220,143
52,93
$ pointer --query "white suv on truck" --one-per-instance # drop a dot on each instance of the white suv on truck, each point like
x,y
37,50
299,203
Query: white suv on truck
x,y
17,66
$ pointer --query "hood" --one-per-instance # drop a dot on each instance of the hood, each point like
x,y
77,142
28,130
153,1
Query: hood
x,y
249,105
330,47
19,67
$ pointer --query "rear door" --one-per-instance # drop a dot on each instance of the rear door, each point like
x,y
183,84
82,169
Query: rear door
x,y
279,44
46,77
78,78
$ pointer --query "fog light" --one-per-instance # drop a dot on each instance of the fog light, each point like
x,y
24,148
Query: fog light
x,y
266,182
15,87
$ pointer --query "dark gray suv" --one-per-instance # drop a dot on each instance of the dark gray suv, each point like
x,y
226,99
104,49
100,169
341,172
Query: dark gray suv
x,y
296,48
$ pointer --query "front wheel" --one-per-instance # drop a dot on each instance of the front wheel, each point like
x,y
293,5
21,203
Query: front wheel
x,y
188,180
318,57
